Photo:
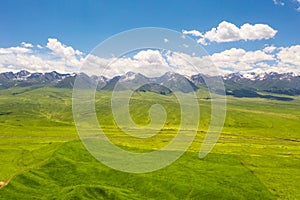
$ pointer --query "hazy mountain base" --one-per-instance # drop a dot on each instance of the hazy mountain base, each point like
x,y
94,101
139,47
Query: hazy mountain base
x,y
238,85
257,156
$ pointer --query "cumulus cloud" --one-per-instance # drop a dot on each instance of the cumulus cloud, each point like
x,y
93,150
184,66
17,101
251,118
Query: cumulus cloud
x,y
67,54
228,32
190,65
290,55
60,57
60,49
256,32
149,62
270,58
150,56
26,45
31,63
240,60
14,50
193,33
269,49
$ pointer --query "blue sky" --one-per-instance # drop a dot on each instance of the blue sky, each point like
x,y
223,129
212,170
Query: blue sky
x,y
82,24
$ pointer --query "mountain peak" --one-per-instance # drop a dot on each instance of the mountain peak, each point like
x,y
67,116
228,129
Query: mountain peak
x,y
21,75
259,76
283,83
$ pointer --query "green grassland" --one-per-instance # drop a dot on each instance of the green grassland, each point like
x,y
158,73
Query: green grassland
x,y
256,157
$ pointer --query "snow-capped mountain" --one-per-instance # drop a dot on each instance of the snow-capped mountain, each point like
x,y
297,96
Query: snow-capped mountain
x,y
173,81
261,76
282,83
25,78
22,75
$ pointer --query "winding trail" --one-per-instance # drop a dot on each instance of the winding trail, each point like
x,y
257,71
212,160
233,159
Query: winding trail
x,y
4,183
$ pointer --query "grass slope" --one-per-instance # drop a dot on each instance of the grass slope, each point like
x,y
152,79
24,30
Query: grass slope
x,y
73,173
257,156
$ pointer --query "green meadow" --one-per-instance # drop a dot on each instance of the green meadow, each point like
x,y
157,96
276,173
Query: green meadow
x,y
256,157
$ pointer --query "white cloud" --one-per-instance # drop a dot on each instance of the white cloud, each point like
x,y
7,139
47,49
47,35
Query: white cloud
x,y
149,62
150,57
269,49
228,32
190,65
166,40
278,2
26,45
256,32
62,58
298,9
290,55
193,33
39,46
29,62
67,54
240,60
225,32
14,50
60,49
271,58
297,4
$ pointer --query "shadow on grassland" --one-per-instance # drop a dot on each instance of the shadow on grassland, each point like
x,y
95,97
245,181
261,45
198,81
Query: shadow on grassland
x,y
240,93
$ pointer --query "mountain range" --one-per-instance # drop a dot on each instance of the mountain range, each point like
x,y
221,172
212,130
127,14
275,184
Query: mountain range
x,y
236,84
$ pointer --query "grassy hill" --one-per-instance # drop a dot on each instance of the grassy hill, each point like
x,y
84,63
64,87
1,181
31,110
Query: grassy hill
x,y
257,156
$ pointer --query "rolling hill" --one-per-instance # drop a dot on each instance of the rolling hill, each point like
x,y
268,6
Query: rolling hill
x,y
257,155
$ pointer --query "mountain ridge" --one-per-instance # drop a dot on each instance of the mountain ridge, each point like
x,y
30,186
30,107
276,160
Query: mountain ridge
x,y
248,83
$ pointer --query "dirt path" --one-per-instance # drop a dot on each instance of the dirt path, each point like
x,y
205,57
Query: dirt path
x,y
4,183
